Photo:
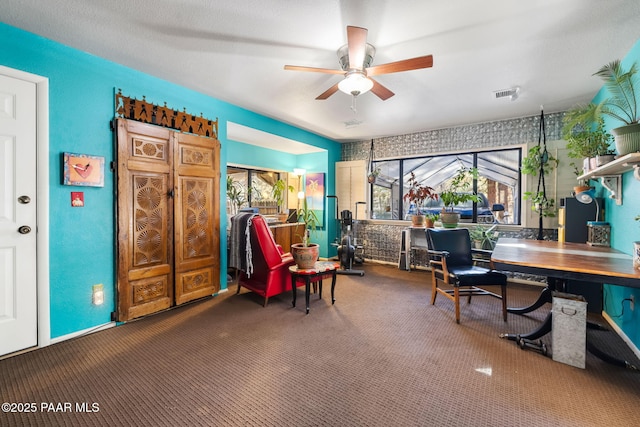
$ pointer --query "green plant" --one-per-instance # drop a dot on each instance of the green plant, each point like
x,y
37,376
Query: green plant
x,y
578,172
373,175
622,85
310,220
535,158
235,194
418,193
432,216
540,203
487,237
459,189
622,102
539,159
278,192
583,140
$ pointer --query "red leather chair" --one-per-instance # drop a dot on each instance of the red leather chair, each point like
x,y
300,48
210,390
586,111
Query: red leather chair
x,y
270,274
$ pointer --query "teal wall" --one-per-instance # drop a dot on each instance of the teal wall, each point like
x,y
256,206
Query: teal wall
x,y
81,104
624,231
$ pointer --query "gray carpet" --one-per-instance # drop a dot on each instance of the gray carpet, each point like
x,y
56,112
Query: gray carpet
x,y
381,356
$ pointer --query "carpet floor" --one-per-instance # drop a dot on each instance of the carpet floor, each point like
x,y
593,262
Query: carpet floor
x,y
381,356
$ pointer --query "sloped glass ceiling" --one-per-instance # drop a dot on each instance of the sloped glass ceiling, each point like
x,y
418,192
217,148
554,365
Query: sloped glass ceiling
x,y
498,166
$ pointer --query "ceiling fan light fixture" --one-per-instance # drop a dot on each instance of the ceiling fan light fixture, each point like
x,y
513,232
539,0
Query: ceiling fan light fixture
x,y
343,57
355,83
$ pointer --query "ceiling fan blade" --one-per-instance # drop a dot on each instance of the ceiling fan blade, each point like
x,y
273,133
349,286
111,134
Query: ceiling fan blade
x,y
317,70
327,93
356,40
404,65
381,91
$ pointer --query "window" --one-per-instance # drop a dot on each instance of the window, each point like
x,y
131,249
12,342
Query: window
x,y
498,185
258,194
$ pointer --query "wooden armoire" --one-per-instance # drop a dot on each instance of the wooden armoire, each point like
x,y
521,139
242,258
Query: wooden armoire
x,y
168,225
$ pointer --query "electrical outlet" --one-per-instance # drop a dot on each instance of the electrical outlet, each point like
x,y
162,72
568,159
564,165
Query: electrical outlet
x,y
98,294
632,302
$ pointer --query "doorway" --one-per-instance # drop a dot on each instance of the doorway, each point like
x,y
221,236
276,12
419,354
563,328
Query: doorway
x,y
24,211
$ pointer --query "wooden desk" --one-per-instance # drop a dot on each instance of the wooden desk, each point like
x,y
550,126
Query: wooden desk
x,y
560,262
566,261
286,234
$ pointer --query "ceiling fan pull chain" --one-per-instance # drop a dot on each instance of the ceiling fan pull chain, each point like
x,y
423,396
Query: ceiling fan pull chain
x,y
353,104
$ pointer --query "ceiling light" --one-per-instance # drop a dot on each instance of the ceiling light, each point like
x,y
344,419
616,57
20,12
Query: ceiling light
x,y
356,83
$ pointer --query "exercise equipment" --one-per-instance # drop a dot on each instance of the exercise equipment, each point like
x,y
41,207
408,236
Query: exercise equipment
x,y
347,245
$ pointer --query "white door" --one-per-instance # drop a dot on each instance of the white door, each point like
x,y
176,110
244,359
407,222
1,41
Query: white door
x,y
18,297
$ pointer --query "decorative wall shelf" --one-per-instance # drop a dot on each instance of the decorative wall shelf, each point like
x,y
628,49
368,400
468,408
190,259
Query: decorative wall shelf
x,y
610,174
616,167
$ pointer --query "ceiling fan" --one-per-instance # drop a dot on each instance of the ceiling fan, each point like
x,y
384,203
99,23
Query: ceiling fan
x,y
355,60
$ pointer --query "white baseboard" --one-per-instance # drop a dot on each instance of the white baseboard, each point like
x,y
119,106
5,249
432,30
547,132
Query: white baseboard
x,y
83,332
621,333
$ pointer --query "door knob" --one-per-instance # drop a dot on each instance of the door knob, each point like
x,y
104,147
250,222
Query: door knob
x,y
24,199
25,229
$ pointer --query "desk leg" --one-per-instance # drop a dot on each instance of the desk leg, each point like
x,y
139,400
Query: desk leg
x,y
591,348
540,331
307,285
545,296
293,288
333,286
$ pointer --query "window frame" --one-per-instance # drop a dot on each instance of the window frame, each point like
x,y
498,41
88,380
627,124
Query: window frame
x,y
516,218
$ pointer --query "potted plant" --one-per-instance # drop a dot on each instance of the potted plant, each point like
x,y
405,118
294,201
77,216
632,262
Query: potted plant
x,y
586,140
582,184
278,192
621,104
483,238
373,175
537,160
458,191
430,219
235,195
417,194
306,254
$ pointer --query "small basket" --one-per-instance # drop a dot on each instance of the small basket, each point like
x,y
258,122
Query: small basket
x,y
599,234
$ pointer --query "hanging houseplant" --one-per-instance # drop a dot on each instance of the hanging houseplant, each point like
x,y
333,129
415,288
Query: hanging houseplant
x,y
372,172
539,162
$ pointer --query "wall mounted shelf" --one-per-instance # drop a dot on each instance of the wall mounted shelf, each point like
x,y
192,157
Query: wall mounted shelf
x,y
616,167
610,174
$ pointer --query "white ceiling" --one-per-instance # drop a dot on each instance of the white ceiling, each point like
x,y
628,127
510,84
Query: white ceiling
x,y
235,50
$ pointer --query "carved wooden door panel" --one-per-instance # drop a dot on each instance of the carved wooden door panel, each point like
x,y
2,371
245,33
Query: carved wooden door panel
x,y
145,219
168,218
197,217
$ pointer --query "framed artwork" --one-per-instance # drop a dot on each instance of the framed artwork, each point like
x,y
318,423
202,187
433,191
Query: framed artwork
x,y
314,190
82,169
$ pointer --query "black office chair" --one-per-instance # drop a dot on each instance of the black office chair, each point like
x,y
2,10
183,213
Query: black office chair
x,y
452,264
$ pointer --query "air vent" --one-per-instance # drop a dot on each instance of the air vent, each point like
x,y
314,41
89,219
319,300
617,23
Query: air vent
x,y
511,93
352,123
